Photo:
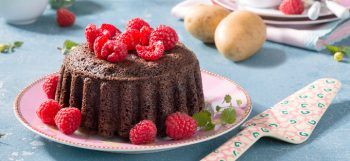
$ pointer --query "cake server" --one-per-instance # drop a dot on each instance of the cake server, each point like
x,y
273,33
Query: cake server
x,y
291,120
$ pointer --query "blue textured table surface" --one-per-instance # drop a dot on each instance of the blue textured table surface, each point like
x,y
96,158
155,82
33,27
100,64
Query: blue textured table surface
x,y
274,73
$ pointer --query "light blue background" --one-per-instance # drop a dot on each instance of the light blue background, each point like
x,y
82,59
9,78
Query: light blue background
x,y
274,73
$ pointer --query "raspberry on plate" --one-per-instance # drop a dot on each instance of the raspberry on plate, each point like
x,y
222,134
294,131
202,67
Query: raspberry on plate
x,y
130,38
47,111
98,44
68,120
165,34
64,17
90,35
145,33
143,132
50,86
180,126
292,7
109,30
136,23
114,51
151,52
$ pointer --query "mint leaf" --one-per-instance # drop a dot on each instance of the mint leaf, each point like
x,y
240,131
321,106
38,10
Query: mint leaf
x,y
239,102
10,48
228,115
209,126
332,49
228,98
203,118
17,44
68,44
218,108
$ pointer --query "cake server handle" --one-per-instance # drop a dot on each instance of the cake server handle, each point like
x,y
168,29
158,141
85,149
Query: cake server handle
x,y
236,146
339,10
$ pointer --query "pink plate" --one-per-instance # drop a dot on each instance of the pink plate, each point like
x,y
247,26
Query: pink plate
x,y
215,88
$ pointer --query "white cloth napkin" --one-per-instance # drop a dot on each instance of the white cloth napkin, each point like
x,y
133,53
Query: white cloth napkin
x,y
181,9
308,37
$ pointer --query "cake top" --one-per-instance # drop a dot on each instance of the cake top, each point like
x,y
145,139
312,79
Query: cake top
x,y
82,60
138,52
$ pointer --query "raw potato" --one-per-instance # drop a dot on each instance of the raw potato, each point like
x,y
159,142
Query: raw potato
x,y
240,35
202,20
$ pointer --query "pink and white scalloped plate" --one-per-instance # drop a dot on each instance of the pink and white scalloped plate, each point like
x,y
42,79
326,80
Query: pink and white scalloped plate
x,y
215,88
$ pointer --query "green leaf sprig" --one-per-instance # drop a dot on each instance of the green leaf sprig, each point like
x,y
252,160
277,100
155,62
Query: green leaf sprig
x,y
333,49
67,46
227,116
10,47
338,51
204,121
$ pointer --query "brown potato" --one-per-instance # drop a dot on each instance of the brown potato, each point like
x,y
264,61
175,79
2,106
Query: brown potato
x,y
240,35
202,20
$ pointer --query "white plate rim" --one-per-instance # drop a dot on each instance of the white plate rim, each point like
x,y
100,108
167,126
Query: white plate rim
x,y
272,22
224,4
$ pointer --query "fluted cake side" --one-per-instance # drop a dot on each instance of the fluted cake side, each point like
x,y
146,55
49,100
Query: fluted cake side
x,y
114,97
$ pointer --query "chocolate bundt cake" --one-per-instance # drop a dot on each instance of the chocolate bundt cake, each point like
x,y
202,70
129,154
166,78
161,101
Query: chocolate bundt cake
x,y
114,96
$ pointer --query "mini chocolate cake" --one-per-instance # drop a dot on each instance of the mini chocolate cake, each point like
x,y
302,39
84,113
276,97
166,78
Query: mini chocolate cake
x,y
115,96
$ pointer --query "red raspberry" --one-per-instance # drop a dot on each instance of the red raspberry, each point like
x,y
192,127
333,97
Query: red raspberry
x,y
68,120
165,34
180,126
108,48
114,51
145,32
98,44
90,35
50,86
47,111
151,52
292,7
143,132
130,38
136,23
109,30
64,17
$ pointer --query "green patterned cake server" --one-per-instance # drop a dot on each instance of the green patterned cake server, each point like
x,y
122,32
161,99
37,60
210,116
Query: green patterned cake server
x,y
292,120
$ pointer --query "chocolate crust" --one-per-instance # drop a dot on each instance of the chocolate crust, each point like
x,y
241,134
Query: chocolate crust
x,y
82,60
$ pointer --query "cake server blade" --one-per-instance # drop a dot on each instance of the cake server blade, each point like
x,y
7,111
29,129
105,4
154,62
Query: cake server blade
x,y
291,120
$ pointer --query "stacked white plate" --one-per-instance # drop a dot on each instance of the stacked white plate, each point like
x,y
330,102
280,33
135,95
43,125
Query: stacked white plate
x,y
273,16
